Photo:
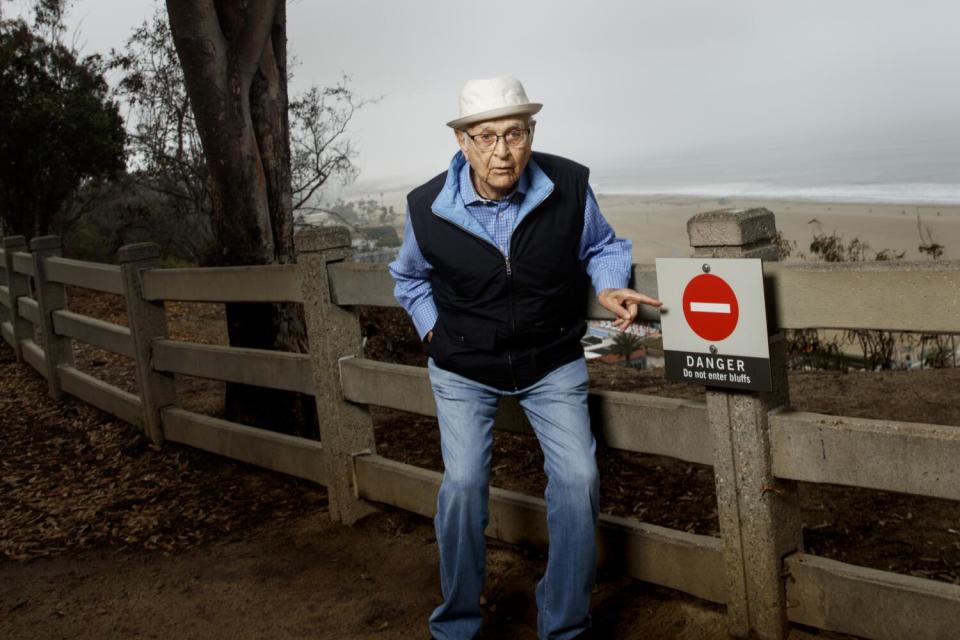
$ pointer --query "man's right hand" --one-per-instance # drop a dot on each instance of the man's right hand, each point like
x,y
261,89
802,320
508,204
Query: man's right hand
x,y
625,304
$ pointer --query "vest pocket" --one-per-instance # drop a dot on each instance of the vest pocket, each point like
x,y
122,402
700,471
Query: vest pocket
x,y
482,338
452,339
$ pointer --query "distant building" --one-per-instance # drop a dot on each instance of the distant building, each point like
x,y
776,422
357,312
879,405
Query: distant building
x,y
383,235
638,359
605,329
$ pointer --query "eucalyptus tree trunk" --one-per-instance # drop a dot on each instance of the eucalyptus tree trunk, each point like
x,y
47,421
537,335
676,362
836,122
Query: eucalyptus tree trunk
x,y
234,58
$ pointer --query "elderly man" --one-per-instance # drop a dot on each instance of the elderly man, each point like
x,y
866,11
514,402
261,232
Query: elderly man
x,y
494,269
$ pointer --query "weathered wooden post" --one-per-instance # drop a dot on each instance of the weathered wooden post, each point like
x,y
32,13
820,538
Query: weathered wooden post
x,y
759,515
333,333
18,285
147,320
51,296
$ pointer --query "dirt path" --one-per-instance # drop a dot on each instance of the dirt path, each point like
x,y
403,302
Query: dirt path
x,y
309,578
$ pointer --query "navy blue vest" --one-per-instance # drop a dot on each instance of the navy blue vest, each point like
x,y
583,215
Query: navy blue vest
x,y
508,322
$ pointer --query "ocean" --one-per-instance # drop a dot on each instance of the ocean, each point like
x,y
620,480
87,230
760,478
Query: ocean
x,y
914,171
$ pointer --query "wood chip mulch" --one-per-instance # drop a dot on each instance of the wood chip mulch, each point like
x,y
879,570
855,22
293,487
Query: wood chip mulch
x,y
73,477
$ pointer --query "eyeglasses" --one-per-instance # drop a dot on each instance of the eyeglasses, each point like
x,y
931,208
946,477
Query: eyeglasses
x,y
513,138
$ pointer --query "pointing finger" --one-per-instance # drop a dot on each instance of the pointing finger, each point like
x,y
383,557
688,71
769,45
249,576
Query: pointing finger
x,y
634,296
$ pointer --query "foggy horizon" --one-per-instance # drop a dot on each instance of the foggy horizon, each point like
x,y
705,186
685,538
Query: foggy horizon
x,y
729,91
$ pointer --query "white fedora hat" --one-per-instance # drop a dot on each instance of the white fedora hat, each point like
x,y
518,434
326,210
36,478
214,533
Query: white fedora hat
x,y
488,98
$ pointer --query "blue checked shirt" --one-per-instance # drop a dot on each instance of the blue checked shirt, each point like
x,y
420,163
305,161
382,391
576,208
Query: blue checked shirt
x,y
606,258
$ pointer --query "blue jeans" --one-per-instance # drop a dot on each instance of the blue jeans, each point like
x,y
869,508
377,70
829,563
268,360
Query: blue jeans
x,y
556,406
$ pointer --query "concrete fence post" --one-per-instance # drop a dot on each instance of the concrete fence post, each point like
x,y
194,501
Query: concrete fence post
x,y
147,320
18,284
51,296
333,333
759,515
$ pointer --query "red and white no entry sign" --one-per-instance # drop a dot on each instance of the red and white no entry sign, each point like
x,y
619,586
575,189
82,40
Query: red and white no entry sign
x,y
710,307
720,339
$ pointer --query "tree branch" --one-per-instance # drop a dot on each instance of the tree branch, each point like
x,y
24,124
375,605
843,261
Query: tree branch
x,y
199,41
252,39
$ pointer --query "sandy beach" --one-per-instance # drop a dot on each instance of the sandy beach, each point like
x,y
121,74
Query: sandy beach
x,y
657,224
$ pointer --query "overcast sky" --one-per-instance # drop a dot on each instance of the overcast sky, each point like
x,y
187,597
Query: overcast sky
x,y
623,80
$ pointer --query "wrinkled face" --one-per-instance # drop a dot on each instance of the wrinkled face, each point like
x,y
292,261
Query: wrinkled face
x,y
497,169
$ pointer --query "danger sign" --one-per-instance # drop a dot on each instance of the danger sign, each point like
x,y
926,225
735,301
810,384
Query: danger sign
x,y
714,321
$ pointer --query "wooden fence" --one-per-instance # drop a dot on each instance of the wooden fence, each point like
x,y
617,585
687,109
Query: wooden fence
x,y
757,445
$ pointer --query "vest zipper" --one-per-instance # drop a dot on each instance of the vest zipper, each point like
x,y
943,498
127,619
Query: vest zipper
x,y
513,315
513,318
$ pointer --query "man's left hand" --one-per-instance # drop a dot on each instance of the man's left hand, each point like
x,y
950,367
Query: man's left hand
x,y
625,303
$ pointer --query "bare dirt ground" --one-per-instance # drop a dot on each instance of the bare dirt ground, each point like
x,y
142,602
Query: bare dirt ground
x,y
104,535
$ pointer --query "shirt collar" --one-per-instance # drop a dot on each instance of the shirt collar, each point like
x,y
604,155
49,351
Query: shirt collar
x,y
450,206
470,195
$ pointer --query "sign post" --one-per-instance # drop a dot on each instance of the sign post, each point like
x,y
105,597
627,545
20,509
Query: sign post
x,y
759,513
714,322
